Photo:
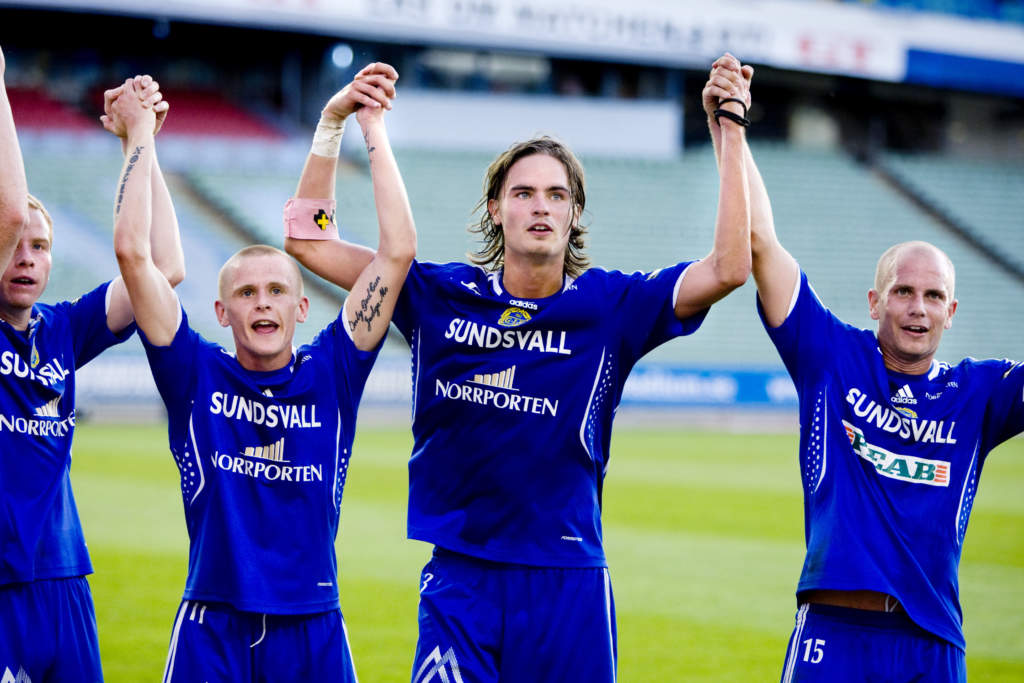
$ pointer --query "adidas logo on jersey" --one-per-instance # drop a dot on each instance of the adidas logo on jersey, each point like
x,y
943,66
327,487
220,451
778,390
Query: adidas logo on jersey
x,y
904,395
433,668
51,409
274,451
21,677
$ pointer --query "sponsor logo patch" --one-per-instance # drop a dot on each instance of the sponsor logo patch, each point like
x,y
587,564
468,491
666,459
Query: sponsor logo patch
x,y
895,466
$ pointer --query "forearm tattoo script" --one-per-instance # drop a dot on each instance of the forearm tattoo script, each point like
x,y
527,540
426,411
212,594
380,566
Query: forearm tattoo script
x,y
368,312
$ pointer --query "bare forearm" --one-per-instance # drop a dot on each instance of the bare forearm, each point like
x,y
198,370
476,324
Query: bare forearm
x,y
13,186
318,177
732,231
394,215
165,237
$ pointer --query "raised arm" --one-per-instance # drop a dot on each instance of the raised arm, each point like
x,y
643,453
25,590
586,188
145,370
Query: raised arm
x,y
13,186
728,265
368,309
150,294
165,238
336,260
775,270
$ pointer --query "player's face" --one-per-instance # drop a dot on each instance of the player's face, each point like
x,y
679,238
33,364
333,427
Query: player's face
x,y
29,269
262,306
914,310
535,210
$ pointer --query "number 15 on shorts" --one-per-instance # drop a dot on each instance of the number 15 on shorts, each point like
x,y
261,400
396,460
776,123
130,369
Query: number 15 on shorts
x,y
814,650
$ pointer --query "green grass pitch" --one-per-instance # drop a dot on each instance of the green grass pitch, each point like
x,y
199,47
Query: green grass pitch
x,y
703,530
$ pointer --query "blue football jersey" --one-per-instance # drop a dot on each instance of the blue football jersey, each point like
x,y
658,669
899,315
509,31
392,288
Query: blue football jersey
x,y
40,533
263,458
890,462
513,402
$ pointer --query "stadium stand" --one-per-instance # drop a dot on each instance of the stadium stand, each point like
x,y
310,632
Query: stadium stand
x,y
35,109
985,197
207,113
644,214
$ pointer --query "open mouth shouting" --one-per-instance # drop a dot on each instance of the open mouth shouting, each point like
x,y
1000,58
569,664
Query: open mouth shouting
x,y
265,327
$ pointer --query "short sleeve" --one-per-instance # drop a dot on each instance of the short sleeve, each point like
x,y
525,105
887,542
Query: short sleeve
x,y
351,365
804,337
87,316
1005,414
173,365
644,306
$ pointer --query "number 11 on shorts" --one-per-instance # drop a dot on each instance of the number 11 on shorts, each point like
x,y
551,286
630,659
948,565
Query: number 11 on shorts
x,y
814,650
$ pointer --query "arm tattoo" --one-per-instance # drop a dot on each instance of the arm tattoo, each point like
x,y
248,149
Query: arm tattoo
x,y
132,160
369,148
368,312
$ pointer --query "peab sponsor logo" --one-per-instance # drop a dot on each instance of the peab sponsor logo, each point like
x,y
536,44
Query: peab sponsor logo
x,y
246,410
487,337
497,390
899,420
895,466
50,373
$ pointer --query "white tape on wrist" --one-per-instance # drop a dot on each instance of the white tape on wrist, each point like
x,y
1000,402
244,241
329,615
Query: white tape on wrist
x,y
327,138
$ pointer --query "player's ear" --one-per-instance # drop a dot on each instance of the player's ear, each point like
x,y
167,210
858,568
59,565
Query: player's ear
x,y
493,208
222,313
874,299
303,310
949,318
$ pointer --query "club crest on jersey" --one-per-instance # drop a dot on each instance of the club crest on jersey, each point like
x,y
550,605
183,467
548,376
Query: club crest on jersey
x,y
895,466
513,316
33,358
903,410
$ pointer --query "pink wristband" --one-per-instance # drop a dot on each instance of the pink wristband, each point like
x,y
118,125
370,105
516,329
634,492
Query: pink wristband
x,y
310,219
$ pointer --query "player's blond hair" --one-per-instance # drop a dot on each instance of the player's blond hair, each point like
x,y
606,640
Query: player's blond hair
x,y
247,252
491,254
885,272
34,203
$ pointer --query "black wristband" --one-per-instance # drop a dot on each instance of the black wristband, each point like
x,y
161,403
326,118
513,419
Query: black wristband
x,y
737,101
735,118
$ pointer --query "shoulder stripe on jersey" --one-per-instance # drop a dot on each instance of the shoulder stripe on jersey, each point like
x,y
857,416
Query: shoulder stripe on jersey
x,y
679,283
173,649
794,643
199,461
590,401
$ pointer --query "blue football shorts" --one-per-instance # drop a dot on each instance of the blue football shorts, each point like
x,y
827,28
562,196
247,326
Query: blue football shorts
x,y
490,622
842,645
48,632
215,643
